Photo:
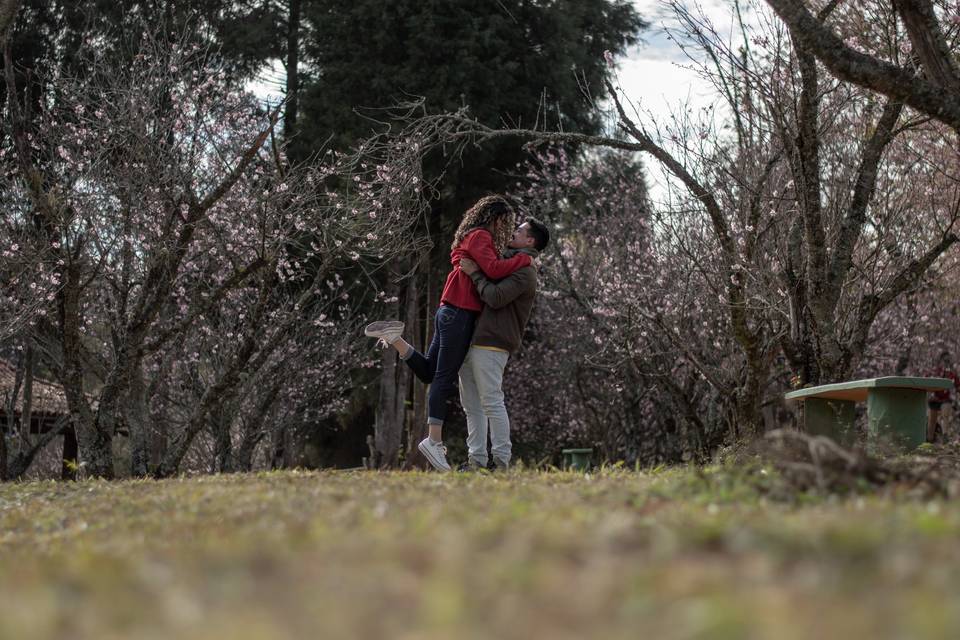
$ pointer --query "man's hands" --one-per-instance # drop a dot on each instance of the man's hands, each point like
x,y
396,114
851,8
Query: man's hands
x,y
468,266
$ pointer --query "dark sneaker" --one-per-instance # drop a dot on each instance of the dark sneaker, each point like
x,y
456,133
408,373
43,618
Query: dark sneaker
x,y
500,465
471,465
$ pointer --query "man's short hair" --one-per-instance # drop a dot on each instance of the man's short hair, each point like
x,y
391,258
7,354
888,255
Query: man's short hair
x,y
540,233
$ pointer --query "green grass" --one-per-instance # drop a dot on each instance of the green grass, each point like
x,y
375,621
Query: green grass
x,y
673,554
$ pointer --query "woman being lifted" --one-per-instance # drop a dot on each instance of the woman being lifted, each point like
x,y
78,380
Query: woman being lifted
x,y
482,236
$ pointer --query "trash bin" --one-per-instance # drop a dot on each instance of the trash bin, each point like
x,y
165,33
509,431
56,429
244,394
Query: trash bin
x,y
577,459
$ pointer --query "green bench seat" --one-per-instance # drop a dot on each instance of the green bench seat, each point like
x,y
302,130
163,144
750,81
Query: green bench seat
x,y
577,459
896,408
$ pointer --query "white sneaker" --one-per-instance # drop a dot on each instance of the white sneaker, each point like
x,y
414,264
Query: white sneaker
x,y
436,454
388,331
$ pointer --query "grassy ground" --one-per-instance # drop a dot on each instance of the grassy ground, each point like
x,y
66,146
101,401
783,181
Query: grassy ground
x,y
677,554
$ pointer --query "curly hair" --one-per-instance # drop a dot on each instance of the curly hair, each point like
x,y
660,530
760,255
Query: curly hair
x,y
487,210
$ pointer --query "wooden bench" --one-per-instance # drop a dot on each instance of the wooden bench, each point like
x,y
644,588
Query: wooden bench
x,y
896,408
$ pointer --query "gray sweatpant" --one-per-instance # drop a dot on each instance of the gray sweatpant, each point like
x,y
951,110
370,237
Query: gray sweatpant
x,y
481,394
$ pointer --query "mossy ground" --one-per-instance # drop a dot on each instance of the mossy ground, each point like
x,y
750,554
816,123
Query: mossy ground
x,y
672,554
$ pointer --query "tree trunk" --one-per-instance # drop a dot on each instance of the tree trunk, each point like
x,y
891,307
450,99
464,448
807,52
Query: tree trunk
x,y
94,444
929,43
23,459
157,434
845,63
423,331
3,451
388,427
224,461
281,448
254,430
905,355
138,425
26,413
404,374
748,407
293,71
10,409
245,453
69,469
216,394
8,14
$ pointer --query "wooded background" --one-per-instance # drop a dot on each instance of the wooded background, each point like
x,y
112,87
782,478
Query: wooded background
x,y
193,268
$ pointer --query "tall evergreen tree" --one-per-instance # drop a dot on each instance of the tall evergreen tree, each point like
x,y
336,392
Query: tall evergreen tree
x,y
526,62
518,61
48,34
522,62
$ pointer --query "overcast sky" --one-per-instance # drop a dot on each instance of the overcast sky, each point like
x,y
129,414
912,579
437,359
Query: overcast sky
x,y
655,73
656,76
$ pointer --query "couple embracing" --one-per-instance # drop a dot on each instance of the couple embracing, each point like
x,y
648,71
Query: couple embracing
x,y
484,308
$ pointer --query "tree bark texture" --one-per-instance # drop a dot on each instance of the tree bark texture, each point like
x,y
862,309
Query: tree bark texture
x,y
293,71
900,84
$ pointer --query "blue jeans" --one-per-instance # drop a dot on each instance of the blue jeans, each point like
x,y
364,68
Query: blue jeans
x,y
452,332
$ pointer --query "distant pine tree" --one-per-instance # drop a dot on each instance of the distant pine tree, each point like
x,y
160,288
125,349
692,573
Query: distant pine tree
x,y
522,62
517,61
49,34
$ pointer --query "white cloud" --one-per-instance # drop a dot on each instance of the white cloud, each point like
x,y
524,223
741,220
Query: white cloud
x,y
657,73
658,78
659,85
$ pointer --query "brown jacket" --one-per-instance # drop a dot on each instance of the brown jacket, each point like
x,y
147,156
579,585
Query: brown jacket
x,y
507,306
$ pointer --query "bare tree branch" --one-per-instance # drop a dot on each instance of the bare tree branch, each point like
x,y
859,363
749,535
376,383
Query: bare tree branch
x,y
866,183
929,45
8,13
867,71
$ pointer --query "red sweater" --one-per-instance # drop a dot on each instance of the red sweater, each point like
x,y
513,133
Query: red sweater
x,y
459,289
943,395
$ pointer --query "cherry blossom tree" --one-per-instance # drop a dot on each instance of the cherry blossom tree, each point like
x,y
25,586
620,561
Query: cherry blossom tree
x,y
618,322
167,235
802,227
905,50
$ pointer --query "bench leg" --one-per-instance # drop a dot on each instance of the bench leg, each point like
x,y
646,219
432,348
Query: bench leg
x,y
831,418
580,462
897,415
